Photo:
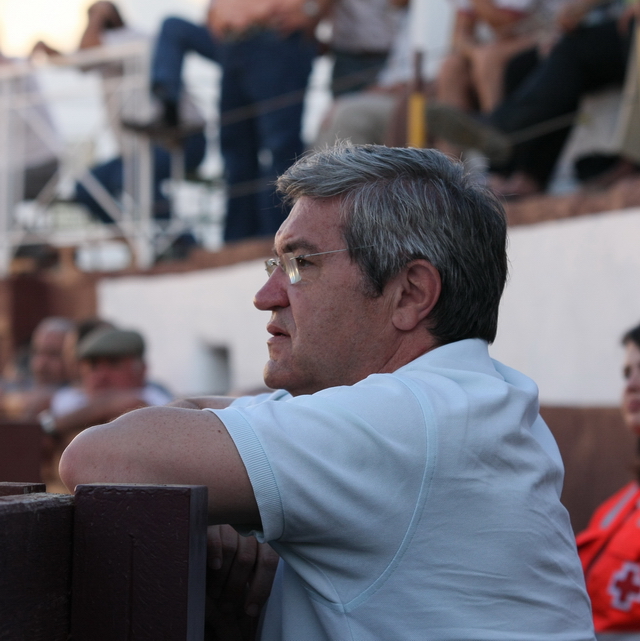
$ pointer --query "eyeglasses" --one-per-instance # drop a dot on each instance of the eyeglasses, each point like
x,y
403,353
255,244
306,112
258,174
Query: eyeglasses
x,y
289,263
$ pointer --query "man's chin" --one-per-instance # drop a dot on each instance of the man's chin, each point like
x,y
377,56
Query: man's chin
x,y
274,377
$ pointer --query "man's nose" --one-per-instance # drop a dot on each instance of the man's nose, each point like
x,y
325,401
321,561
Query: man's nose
x,y
274,292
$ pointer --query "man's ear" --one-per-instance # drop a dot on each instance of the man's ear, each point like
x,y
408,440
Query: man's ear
x,y
418,290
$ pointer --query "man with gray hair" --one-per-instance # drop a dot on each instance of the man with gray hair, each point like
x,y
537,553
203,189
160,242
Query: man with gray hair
x,y
405,478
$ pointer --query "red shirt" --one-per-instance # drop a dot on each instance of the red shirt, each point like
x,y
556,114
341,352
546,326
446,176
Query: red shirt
x,y
610,553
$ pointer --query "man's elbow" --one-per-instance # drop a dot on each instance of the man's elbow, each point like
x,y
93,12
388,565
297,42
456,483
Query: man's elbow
x,y
77,464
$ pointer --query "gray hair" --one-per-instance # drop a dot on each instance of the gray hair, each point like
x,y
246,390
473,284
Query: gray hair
x,y
403,204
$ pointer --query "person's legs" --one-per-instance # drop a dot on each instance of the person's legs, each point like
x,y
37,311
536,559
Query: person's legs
x,y
453,83
178,37
488,65
263,85
582,61
280,71
110,176
355,71
238,144
361,118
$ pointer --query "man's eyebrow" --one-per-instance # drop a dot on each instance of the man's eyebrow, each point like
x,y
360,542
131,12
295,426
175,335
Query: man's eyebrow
x,y
298,246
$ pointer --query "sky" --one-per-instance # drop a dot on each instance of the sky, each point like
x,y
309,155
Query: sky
x,y
61,22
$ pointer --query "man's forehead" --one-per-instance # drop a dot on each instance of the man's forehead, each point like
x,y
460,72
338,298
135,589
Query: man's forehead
x,y
311,224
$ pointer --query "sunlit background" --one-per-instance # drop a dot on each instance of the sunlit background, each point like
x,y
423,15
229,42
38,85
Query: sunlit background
x,y
60,22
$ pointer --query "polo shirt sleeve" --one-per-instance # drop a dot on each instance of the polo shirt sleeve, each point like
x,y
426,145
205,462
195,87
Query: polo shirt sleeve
x,y
323,467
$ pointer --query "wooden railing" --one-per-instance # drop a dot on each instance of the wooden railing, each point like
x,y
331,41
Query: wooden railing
x,y
113,562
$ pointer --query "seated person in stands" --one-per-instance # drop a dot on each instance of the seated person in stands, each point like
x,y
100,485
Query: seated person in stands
x,y
32,161
47,372
524,135
112,381
364,117
486,35
70,346
112,375
609,548
105,27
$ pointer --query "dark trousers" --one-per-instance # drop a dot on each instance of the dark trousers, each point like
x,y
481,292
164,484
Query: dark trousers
x,y
585,60
264,78
178,37
355,71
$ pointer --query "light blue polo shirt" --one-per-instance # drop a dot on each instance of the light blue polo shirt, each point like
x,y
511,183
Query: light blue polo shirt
x,y
414,506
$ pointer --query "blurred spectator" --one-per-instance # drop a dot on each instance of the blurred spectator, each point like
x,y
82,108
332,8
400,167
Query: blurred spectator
x,y
365,117
525,134
486,35
47,371
112,374
105,27
362,35
70,345
609,547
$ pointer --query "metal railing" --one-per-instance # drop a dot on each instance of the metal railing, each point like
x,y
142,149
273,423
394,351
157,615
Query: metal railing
x,y
25,117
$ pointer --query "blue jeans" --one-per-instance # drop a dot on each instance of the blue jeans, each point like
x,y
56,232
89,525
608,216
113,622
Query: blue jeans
x,y
110,175
178,37
263,83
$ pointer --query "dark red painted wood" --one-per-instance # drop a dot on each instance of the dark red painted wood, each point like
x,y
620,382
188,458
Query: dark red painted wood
x,y
21,451
35,566
139,563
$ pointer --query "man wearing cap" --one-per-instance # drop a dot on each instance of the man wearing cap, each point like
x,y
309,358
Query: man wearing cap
x,y
112,381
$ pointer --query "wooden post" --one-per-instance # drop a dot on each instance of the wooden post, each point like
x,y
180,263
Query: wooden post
x,y
35,566
139,563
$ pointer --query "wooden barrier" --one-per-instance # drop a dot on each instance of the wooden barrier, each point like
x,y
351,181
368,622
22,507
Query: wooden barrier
x,y
112,562
21,452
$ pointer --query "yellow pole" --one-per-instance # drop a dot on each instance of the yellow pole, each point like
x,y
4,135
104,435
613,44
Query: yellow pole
x,y
416,114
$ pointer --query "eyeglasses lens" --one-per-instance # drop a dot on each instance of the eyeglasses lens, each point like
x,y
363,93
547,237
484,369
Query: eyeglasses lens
x,y
290,267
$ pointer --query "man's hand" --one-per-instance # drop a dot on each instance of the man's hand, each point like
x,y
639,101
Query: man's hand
x,y
240,573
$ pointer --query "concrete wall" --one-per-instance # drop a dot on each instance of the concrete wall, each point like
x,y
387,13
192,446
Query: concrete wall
x,y
572,292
